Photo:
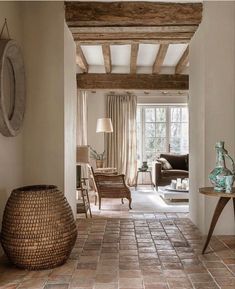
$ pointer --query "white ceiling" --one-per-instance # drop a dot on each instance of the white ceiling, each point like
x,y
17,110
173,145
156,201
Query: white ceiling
x,y
120,56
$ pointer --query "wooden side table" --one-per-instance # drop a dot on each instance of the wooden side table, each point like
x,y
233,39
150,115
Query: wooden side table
x,y
150,176
223,200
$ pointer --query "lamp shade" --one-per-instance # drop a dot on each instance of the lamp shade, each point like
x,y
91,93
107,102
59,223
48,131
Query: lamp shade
x,y
104,125
83,155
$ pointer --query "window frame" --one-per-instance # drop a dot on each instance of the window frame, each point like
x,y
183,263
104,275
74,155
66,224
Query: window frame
x,y
168,122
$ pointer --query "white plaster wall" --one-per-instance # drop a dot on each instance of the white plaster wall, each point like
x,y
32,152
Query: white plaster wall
x,y
44,119
212,106
11,148
70,94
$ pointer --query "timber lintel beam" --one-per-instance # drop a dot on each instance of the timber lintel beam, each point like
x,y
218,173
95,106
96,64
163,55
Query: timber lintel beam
x,y
132,81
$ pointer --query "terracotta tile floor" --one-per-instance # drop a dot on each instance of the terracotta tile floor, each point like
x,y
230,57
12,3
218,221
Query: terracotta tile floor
x,y
141,251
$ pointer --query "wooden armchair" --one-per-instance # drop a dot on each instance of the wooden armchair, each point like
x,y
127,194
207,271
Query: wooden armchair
x,y
111,186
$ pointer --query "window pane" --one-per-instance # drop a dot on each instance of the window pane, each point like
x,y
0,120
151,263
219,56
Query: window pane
x,y
175,114
160,129
175,145
149,114
150,157
161,114
185,114
150,144
161,144
138,114
184,130
150,130
175,129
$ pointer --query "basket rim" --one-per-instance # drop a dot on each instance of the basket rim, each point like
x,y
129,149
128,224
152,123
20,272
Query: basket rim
x,y
36,188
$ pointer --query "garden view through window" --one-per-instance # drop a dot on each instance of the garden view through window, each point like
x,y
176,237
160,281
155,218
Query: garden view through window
x,y
161,129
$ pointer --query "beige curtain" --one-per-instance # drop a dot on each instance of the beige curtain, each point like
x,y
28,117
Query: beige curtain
x,y
81,118
121,144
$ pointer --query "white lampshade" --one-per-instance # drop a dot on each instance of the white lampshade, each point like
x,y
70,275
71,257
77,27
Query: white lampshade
x,y
83,155
104,125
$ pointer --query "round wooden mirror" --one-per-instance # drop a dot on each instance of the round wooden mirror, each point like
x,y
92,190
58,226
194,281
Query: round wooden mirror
x,y
12,88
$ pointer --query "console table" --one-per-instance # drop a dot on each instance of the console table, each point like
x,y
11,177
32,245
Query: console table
x,y
223,200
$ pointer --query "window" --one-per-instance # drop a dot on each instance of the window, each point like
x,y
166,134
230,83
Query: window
x,y
161,128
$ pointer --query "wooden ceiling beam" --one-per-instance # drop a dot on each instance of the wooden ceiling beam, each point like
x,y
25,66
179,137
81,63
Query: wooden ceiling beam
x,y
134,29
81,60
107,58
182,63
132,81
136,22
93,14
160,58
134,35
134,55
128,41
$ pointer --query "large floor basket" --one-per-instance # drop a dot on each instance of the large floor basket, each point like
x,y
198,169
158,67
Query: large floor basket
x,y
38,228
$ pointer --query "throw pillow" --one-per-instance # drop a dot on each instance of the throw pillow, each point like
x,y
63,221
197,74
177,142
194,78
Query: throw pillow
x,y
165,164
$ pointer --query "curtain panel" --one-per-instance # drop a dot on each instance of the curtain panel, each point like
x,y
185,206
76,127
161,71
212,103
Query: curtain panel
x,y
121,144
81,118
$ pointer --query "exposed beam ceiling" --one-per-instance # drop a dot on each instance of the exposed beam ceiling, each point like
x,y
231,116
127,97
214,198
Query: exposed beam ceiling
x,y
81,60
132,81
134,55
107,58
160,58
132,22
182,63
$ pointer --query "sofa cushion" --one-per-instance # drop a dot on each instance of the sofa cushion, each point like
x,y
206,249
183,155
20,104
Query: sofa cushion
x,y
165,164
174,173
178,162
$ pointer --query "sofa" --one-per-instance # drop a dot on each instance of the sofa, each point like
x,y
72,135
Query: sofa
x,y
179,169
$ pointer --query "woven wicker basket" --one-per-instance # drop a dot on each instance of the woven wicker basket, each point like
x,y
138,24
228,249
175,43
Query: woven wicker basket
x,y
38,228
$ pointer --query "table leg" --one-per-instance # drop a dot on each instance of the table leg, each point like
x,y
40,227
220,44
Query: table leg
x,y
218,210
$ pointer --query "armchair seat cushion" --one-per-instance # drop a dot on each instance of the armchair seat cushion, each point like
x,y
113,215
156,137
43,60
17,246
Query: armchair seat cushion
x,y
174,173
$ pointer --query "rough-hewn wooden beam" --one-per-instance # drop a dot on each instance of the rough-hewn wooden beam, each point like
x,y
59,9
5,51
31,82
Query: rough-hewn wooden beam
x,y
182,63
134,29
136,22
132,13
107,58
81,60
128,41
132,81
134,55
135,35
160,58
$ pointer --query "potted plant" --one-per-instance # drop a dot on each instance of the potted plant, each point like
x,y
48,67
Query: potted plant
x,y
99,157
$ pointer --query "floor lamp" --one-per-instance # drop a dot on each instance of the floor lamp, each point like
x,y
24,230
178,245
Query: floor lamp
x,y
104,125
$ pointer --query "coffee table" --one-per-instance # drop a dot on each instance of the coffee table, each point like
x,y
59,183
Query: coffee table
x,y
171,194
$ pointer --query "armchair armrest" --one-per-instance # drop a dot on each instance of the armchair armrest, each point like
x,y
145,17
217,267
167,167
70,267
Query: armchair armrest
x,y
156,172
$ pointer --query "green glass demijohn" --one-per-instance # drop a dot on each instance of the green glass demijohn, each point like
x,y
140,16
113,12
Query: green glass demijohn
x,y
221,177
